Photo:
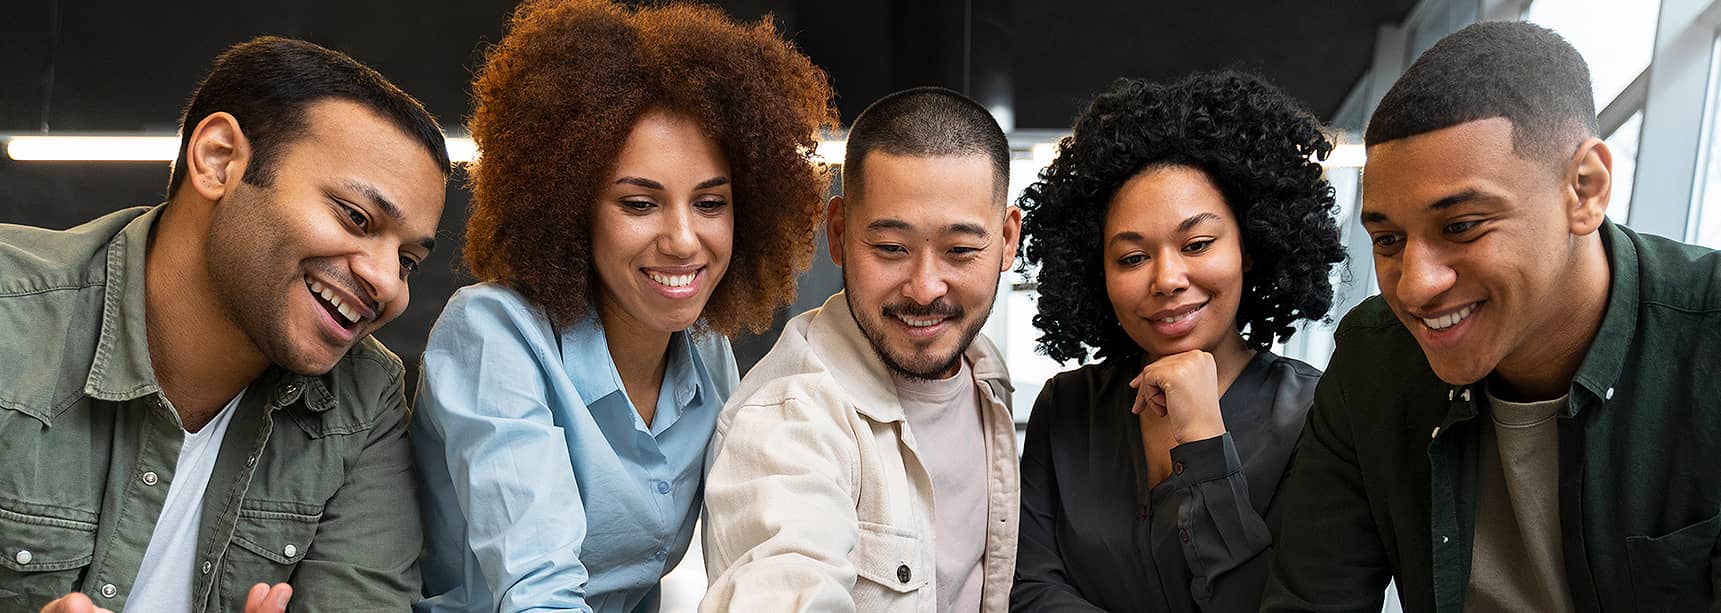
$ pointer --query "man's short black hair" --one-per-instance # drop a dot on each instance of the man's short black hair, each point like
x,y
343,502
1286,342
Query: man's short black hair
x,y
268,82
1520,71
924,122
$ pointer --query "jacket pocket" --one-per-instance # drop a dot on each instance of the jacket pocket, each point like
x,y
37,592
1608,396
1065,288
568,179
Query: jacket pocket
x,y
892,558
1672,572
41,557
268,545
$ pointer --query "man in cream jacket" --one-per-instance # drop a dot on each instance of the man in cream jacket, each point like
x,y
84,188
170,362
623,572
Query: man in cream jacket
x,y
868,462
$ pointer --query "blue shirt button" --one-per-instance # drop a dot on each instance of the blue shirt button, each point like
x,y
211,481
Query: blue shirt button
x,y
663,487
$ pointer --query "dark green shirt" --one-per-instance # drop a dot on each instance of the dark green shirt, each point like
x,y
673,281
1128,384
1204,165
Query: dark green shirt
x,y
312,484
1384,483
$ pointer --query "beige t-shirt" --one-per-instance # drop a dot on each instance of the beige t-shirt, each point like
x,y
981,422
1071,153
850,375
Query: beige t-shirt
x,y
1518,563
944,416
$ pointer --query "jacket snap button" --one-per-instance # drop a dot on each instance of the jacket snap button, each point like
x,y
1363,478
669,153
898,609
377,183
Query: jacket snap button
x,y
109,591
24,556
902,573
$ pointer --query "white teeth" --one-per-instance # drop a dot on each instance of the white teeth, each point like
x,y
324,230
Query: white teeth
x,y
327,294
920,323
672,280
1175,318
1448,320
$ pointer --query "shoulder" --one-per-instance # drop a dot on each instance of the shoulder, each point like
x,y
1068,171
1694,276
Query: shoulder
x,y
40,259
1675,275
1076,391
367,382
488,311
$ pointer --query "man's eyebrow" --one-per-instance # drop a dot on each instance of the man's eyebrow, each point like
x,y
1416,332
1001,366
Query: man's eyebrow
x,y
890,224
388,208
1445,202
971,229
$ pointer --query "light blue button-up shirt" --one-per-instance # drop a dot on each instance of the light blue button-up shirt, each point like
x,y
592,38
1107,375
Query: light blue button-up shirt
x,y
544,490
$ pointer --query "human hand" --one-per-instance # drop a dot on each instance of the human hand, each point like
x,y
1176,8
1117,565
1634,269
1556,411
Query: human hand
x,y
264,598
1183,389
73,603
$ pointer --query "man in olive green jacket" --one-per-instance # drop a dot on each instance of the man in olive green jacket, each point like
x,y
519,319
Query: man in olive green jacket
x,y
193,415
1528,417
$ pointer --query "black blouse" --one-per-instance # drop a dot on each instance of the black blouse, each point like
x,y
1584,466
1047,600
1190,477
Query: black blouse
x,y
1095,537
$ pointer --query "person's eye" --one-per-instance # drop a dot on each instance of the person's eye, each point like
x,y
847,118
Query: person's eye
x,y
1198,246
1132,259
1460,227
407,266
964,251
712,205
355,216
638,206
1386,241
890,249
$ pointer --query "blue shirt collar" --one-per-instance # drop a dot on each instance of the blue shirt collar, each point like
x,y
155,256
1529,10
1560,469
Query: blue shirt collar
x,y
586,356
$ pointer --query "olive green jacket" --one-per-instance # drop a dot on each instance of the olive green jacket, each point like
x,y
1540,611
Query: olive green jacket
x,y
312,485
1384,483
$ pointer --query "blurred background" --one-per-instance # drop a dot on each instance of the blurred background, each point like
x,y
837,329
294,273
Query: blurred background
x,y
120,68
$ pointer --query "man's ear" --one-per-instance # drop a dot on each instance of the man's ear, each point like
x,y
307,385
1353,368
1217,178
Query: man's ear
x,y
1012,236
216,156
834,229
1590,179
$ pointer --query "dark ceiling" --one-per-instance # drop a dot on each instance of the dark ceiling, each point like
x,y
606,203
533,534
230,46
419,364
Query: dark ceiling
x,y
116,65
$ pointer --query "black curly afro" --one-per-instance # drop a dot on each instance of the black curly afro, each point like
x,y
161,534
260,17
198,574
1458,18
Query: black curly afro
x,y
1257,145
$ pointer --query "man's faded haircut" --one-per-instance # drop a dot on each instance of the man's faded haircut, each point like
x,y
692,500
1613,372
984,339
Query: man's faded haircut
x,y
926,122
1520,71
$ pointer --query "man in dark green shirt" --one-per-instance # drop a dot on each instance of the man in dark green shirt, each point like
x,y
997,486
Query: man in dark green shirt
x,y
1528,417
193,414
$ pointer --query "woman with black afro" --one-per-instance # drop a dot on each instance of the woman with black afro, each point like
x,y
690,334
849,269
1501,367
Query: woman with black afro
x,y
1181,231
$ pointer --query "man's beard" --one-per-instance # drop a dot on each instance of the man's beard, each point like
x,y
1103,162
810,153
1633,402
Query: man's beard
x,y
936,366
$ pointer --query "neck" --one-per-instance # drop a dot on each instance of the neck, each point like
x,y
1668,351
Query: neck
x,y
639,353
201,358
1543,366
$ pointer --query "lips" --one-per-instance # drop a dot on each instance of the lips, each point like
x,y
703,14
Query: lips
x,y
675,283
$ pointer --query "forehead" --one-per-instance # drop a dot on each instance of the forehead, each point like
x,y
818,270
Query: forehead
x,y
1159,200
347,144
932,189
671,143
1405,175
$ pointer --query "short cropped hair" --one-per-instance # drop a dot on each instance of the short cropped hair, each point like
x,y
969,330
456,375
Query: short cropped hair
x,y
266,84
926,122
559,95
1520,71
1254,142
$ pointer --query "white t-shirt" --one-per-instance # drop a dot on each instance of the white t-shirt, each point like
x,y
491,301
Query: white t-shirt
x,y
169,563
944,416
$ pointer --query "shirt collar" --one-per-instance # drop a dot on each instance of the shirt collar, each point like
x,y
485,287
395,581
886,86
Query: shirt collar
x,y
591,368
121,369
1606,357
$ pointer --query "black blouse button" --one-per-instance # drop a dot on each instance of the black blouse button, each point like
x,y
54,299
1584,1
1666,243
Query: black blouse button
x,y
1177,468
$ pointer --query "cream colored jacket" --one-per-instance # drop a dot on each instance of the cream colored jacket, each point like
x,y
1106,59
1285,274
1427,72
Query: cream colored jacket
x,y
816,498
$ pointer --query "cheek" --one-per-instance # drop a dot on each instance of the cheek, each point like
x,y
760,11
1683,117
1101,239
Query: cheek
x,y
1124,288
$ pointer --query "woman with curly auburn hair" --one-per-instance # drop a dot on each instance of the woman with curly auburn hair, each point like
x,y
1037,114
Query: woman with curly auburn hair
x,y
567,400
1181,230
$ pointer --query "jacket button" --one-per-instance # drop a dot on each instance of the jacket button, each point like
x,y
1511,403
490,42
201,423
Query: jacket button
x,y
109,591
902,573
24,556
1183,534
150,478
207,567
663,487
290,550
